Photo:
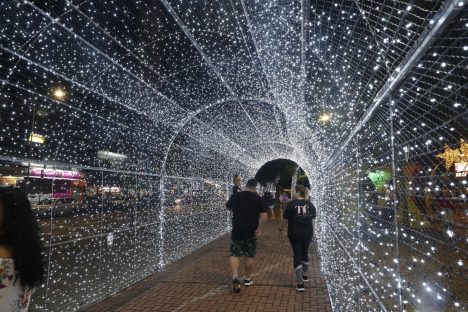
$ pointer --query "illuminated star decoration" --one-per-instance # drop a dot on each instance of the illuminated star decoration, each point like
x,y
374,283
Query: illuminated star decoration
x,y
463,150
451,156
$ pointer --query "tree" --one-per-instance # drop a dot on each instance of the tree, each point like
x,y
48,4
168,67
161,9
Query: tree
x,y
282,168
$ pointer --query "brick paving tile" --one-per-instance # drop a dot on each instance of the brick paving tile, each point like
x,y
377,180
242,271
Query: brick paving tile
x,y
201,282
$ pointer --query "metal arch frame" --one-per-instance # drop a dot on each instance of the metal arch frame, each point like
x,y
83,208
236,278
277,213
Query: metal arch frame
x,y
236,157
257,51
129,52
112,61
210,64
304,48
194,114
191,115
443,17
204,108
185,31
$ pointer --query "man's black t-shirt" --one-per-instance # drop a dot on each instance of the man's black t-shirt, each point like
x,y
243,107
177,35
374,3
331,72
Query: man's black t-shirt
x,y
300,214
246,207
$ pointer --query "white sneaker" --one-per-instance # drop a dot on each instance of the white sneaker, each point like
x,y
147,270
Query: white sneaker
x,y
300,287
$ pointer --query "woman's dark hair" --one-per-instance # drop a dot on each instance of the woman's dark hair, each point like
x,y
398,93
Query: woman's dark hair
x,y
301,190
20,232
252,183
267,195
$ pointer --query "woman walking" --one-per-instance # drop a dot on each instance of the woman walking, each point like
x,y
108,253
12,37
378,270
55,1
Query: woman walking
x,y
300,214
270,203
237,180
21,260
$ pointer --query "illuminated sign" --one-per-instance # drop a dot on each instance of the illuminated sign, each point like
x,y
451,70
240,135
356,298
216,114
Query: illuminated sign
x,y
67,194
109,189
111,156
55,173
461,169
379,178
8,180
36,138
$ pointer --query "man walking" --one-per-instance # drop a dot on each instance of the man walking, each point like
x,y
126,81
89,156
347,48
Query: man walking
x,y
248,214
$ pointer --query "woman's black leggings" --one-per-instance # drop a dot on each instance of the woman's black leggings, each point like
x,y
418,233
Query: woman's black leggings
x,y
300,247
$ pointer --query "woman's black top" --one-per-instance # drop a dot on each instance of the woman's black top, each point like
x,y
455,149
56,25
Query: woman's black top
x,y
300,214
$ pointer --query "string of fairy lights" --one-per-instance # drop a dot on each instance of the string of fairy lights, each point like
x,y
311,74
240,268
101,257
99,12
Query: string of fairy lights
x,y
126,120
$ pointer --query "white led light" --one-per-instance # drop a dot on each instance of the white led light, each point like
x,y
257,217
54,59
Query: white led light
x,y
148,108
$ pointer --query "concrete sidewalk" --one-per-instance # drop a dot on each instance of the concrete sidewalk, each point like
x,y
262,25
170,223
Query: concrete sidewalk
x,y
201,281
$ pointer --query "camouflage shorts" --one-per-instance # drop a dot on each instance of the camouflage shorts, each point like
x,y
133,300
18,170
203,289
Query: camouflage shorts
x,y
246,247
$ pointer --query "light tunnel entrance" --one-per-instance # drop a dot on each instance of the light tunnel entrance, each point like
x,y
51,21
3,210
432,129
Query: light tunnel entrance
x,y
125,122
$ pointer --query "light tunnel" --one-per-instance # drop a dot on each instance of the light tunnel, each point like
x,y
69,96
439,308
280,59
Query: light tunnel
x,y
124,121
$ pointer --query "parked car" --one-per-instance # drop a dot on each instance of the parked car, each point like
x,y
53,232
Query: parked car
x,y
55,206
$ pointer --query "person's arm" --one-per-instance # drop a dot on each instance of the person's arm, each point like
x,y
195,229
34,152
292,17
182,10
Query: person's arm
x,y
285,217
312,210
262,215
5,252
261,219
230,202
314,215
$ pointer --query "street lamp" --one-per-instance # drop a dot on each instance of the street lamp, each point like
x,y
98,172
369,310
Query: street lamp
x,y
59,93
325,117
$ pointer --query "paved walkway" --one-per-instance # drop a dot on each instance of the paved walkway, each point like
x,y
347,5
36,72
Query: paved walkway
x,y
201,282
